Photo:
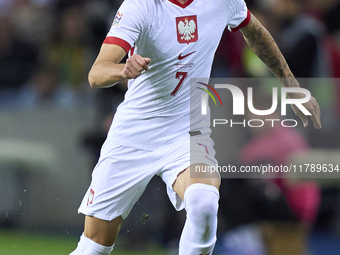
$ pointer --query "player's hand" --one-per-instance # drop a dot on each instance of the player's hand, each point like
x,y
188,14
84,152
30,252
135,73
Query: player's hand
x,y
135,66
313,107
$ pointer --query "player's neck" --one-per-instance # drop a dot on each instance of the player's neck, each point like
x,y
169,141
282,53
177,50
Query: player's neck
x,y
182,1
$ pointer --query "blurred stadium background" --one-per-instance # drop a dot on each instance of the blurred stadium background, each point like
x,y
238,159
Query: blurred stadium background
x,y
52,126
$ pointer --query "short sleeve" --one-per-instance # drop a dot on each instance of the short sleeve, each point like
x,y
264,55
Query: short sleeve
x,y
127,24
240,15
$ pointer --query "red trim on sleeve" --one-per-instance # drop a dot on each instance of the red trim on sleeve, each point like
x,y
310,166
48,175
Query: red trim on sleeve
x,y
244,23
117,41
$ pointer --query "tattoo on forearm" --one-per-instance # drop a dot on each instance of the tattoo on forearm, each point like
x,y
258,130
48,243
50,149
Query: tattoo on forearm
x,y
264,46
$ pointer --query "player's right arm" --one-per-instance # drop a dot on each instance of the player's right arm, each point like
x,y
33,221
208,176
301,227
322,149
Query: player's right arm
x,y
107,69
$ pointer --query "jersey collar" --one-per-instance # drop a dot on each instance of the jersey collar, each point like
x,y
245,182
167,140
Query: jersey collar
x,y
181,5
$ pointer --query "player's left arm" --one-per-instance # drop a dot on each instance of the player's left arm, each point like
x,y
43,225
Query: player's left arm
x,y
262,43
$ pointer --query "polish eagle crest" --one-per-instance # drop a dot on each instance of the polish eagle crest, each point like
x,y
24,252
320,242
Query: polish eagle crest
x,y
187,29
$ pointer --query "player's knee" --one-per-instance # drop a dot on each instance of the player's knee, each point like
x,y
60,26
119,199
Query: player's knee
x,y
202,198
201,203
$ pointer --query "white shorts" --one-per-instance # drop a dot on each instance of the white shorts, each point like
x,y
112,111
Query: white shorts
x,y
122,174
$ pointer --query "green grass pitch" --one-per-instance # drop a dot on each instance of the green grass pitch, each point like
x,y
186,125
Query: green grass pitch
x,y
13,242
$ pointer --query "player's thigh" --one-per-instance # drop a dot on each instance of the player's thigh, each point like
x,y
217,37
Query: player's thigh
x,y
102,231
184,179
118,181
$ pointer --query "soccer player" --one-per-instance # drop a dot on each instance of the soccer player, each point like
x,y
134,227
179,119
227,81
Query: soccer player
x,y
168,42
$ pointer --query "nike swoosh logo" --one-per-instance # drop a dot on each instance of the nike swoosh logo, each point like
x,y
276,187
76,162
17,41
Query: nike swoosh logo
x,y
180,57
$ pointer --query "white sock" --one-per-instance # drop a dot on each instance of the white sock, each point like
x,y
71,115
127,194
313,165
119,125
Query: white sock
x,y
88,247
199,233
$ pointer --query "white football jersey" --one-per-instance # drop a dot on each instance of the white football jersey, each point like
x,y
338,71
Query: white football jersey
x,y
181,41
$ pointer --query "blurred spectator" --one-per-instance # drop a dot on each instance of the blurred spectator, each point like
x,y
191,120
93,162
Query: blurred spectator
x,y
45,91
301,39
329,11
34,20
18,59
274,145
69,52
98,12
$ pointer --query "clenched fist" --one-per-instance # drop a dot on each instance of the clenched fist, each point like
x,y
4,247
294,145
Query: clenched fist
x,y
135,66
